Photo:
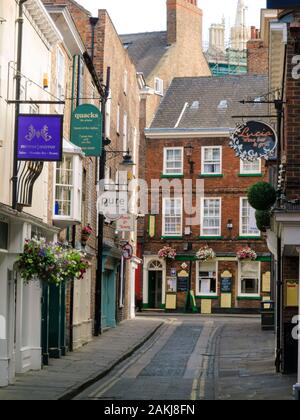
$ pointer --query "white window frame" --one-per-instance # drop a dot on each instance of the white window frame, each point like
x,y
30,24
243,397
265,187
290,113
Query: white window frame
x,y
254,235
198,292
203,149
125,82
159,86
244,171
108,115
202,217
60,84
125,132
76,190
164,233
118,119
166,149
251,295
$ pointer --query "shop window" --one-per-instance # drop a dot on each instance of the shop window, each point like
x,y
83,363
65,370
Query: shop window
x,y
207,279
249,273
173,161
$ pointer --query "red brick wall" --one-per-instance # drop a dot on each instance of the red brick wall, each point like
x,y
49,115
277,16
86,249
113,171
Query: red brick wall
x,y
292,121
231,187
258,57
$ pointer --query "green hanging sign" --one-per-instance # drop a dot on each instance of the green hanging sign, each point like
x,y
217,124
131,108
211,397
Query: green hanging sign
x,y
86,129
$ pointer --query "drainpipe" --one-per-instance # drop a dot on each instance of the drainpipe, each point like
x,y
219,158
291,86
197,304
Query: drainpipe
x,y
93,22
18,78
71,329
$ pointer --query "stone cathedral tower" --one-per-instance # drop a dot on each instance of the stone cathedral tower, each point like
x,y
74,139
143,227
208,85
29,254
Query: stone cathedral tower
x,y
240,33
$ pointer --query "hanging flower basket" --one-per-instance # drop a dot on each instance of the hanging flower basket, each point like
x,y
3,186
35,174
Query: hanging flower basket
x,y
167,253
246,254
205,254
86,234
50,263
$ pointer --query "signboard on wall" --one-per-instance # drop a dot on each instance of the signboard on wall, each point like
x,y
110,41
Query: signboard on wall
x,y
254,140
282,4
40,138
86,129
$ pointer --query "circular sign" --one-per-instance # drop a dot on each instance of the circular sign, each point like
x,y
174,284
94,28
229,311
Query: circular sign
x,y
254,140
86,129
127,252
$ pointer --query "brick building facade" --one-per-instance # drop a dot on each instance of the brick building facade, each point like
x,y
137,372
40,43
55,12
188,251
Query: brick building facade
x,y
122,129
188,140
283,238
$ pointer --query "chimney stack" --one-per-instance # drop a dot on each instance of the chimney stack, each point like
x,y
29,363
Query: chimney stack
x,y
184,19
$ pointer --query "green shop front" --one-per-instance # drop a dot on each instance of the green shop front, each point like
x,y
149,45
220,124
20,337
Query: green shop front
x,y
223,284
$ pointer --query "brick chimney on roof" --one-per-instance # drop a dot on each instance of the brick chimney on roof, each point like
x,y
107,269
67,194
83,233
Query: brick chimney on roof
x,y
184,20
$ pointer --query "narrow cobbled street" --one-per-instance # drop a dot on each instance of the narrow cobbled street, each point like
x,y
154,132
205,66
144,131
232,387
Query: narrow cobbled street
x,y
193,358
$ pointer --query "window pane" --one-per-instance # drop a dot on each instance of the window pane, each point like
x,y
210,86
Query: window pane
x,y
249,286
211,223
173,217
174,162
248,220
212,160
207,278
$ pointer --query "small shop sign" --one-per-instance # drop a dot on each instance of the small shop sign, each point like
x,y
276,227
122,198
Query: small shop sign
x,y
40,138
86,129
254,140
125,223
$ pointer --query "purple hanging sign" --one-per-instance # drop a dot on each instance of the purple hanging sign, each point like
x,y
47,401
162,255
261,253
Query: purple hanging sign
x,y
40,138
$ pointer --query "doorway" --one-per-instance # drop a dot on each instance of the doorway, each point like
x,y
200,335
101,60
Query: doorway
x,y
155,289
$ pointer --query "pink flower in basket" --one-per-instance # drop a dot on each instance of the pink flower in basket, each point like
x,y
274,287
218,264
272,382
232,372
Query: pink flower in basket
x,y
167,253
205,254
246,254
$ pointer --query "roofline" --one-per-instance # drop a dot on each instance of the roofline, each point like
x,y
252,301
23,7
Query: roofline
x,y
64,11
178,133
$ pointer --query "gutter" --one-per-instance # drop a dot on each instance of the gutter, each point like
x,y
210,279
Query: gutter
x,y
154,133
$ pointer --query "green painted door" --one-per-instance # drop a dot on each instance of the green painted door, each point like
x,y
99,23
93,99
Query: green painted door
x,y
109,299
155,289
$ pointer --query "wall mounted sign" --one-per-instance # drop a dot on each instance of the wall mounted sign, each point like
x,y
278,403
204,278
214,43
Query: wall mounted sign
x,y
125,223
86,129
40,138
171,284
127,252
152,226
254,140
282,4
183,281
226,285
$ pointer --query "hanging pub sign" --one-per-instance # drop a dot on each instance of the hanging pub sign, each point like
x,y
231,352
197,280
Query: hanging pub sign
x,y
86,129
40,138
254,140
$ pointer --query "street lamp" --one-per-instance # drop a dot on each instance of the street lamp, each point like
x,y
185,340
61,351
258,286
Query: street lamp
x,y
189,149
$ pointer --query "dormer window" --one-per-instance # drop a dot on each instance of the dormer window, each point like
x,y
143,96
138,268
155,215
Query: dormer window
x,y
159,86
223,104
195,105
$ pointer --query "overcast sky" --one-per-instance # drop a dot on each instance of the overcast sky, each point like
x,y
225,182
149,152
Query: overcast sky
x,y
130,16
